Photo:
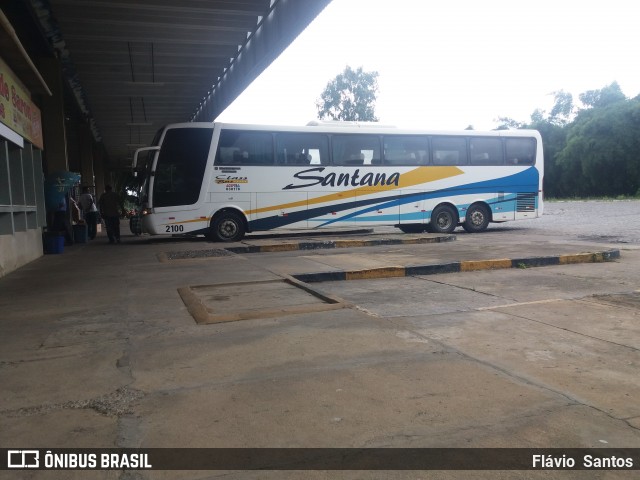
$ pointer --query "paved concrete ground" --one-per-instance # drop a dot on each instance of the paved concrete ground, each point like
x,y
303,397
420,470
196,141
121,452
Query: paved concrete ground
x,y
98,349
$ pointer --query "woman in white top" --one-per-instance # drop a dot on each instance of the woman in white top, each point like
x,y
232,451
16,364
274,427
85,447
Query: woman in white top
x,y
87,204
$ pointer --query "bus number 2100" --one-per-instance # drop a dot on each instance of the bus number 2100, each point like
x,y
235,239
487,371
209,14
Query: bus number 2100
x,y
174,228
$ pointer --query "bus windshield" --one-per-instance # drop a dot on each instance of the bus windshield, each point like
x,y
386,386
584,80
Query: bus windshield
x,y
180,166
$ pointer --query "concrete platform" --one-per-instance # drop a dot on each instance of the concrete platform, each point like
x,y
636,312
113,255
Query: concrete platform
x,y
98,349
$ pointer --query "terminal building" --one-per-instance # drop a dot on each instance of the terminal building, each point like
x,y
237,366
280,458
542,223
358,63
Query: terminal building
x,y
84,84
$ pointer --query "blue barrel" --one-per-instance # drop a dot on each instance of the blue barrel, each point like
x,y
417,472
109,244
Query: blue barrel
x,y
53,243
80,233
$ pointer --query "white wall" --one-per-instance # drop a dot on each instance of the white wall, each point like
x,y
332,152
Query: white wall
x,y
19,249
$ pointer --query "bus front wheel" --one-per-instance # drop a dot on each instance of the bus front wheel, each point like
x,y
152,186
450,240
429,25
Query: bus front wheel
x,y
227,227
477,218
444,219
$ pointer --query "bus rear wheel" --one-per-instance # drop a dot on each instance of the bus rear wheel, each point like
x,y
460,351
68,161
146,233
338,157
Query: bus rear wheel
x,y
444,219
227,227
477,218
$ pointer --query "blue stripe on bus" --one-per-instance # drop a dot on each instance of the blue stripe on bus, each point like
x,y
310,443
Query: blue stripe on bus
x,y
407,217
525,181
517,183
416,217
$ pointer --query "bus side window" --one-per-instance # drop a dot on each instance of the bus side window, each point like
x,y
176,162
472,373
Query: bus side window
x,y
406,150
225,155
355,149
486,151
240,157
520,151
302,148
449,151
237,147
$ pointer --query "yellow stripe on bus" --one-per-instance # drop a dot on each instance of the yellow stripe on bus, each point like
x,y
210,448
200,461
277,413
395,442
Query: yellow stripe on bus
x,y
414,177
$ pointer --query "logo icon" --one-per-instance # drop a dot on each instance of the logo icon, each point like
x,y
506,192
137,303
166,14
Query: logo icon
x,y
23,459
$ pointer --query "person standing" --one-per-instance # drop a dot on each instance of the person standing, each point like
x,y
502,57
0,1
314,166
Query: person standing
x,y
89,212
110,208
61,222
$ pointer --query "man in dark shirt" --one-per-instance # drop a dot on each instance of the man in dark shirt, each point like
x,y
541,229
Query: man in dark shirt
x,y
110,208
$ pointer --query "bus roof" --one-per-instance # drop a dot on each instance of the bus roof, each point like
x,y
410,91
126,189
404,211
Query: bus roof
x,y
355,127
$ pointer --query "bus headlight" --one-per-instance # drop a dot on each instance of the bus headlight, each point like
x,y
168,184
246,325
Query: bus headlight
x,y
146,211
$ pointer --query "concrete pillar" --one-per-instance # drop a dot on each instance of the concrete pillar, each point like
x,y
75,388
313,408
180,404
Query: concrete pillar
x,y
53,117
98,171
86,157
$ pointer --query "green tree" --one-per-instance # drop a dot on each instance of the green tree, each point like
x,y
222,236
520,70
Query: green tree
x,y
553,130
591,151
562,110
553,141
603,97
351,96
603,149
507,123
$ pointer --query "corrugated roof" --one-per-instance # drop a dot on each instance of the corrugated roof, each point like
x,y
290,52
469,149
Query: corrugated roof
x,y
135,65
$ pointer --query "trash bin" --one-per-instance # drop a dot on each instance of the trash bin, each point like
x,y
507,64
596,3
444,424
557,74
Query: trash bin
x,y
80,233
53,243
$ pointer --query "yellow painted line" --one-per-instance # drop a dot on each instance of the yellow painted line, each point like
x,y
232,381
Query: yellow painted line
x,y
351,243
472,265
581,258
412,178
383,272
283,247
413,241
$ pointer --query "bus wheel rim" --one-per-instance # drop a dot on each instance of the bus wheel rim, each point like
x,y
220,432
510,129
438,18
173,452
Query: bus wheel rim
x,y
443,220
477,218
228,228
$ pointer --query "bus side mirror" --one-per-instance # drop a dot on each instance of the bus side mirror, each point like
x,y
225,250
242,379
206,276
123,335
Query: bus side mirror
x,y
134,165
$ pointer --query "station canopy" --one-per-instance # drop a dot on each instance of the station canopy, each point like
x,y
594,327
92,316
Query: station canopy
x,y
135,65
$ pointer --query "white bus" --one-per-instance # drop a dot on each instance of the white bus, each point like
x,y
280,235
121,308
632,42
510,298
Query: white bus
x,y
224,180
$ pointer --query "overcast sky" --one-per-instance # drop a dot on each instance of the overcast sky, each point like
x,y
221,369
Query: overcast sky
x,y
451,63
